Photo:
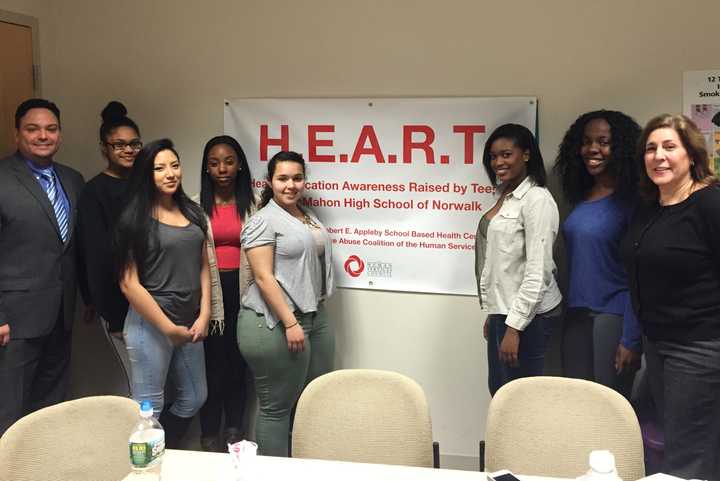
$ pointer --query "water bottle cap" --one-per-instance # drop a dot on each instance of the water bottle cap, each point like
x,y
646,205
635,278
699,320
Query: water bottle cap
x,y
146,409
602,461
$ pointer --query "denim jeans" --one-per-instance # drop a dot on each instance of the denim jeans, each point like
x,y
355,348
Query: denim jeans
x,y
281,375
531,352
153,359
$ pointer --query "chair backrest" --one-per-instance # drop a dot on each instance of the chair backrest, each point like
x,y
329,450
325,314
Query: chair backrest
x,y
81,440
365,416
547,426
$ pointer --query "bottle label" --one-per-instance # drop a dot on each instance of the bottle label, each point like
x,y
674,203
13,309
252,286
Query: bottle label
x,y
146,454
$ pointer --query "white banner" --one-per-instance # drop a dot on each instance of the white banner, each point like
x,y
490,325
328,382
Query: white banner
x,y
399,183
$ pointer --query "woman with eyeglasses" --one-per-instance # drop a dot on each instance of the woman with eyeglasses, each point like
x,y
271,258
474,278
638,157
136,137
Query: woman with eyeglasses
x,y
99,208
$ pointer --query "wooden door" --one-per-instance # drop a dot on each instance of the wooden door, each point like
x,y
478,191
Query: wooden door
x,y
16,78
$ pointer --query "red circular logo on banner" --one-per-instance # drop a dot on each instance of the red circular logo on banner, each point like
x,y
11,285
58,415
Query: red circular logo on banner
x,y
354,266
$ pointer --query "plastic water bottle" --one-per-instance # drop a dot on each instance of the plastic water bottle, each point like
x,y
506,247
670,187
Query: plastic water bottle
x,y
147,446
602,467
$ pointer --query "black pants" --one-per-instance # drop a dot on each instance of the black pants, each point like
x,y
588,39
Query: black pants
x,y
685,382
225,366
33,373
590,341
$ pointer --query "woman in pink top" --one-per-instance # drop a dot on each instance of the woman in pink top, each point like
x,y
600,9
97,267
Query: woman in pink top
x,y
226,196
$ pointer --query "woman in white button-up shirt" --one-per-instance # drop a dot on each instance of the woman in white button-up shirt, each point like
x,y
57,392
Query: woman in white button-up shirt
x,y
514,258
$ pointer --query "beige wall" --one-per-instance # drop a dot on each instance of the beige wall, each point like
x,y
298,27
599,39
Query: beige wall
x,y
172,63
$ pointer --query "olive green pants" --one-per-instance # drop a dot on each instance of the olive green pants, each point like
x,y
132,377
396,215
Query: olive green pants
x,y
281,375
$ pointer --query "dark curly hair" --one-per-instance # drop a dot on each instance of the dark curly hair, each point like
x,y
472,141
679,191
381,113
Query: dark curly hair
x,y
569,165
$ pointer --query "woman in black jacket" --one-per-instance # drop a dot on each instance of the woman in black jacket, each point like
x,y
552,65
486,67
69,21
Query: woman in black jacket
x,y
673,264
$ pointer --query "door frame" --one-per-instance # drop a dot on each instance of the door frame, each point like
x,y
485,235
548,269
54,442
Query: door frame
x,y
33,24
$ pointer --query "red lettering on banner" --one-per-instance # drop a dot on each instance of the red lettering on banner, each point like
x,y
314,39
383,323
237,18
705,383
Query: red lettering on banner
x,y
425,145
368,134
469,131
314,143
283,142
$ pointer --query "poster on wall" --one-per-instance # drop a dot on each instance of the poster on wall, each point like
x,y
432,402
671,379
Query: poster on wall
x,y
701,102
399,183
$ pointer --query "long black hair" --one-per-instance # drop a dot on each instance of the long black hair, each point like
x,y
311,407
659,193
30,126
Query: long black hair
x,y
282,156
136,230
244,198
114,115
523,139
569,165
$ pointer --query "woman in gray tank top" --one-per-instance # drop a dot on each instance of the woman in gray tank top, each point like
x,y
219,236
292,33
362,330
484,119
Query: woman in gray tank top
x,y
283,332
165,275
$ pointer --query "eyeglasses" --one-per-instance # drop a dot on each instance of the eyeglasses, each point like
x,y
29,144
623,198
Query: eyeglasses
x,y
120,146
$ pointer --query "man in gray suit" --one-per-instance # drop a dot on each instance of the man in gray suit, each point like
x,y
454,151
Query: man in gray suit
x,y
38,199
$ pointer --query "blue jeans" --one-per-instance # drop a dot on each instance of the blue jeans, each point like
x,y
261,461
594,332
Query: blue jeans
x,y
153,358
531,352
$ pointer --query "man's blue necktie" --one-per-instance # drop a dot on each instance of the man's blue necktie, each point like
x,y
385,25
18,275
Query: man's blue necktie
x,y
57,203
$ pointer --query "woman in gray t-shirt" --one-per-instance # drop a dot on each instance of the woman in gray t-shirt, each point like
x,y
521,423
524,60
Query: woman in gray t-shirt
x,y
283,332
165,275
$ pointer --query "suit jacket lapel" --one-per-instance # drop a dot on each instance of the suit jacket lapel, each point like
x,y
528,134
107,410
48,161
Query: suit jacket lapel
x,y
28,180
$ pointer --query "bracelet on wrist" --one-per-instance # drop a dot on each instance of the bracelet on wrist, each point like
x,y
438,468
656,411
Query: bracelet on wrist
x,y
292,325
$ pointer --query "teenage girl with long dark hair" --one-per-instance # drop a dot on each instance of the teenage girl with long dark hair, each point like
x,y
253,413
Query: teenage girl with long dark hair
x,y
164,266
227,198
514,258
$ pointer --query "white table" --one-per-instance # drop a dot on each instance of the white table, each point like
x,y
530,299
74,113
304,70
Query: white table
x,y
201,466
